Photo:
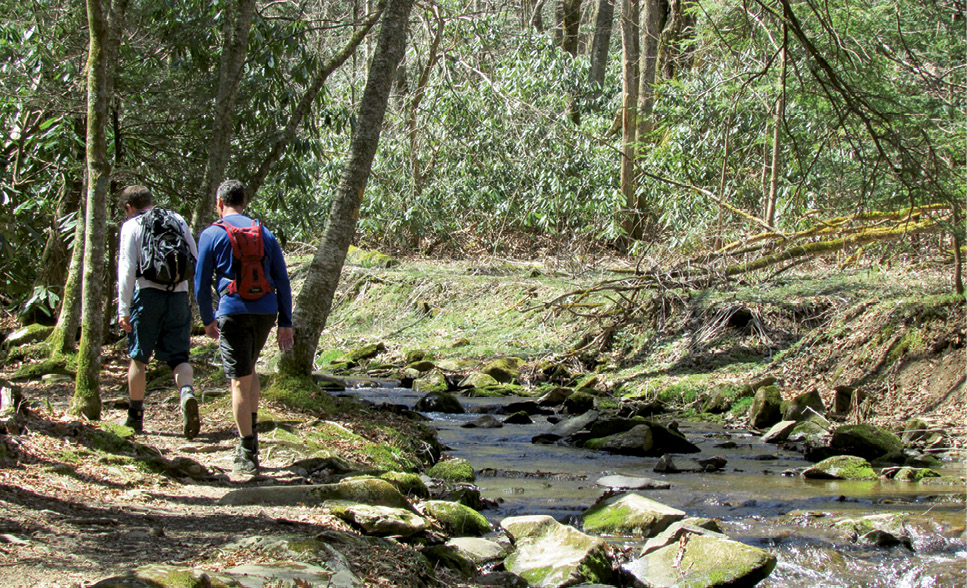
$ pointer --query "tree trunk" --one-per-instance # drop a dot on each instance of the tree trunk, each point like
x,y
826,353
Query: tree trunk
x,y
235,31
654,13
305,104
629,115
604,18
770,205
105,20
315,299
418,172
64,335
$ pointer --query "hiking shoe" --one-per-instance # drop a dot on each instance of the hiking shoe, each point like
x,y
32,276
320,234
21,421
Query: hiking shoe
x,y
135,422
190,423
246,462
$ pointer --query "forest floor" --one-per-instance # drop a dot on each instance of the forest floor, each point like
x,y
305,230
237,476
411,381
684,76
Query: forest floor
x,y
73,512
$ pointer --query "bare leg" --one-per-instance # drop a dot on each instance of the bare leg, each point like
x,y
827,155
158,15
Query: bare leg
x,y
184,375
137,374
244,402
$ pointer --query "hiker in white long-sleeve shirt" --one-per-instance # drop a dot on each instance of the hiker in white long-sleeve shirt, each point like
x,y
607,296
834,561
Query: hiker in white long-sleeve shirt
x,y
153,306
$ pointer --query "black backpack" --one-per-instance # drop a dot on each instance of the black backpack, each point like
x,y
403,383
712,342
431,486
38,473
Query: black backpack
x,y
165,254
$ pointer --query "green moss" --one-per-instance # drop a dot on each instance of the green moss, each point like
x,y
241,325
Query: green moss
x,y
607,519
56,365
453,470
910,342
301,393
408,484
458,519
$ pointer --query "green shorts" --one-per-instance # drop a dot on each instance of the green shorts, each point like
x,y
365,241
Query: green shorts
x,y
160,326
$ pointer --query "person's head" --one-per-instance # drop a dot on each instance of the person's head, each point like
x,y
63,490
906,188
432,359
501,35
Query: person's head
x,y
135,199
231,194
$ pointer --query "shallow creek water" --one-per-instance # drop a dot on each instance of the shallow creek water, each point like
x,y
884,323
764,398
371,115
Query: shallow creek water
x,y
752,499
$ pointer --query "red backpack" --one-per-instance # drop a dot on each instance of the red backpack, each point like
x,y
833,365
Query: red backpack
x,y
250,281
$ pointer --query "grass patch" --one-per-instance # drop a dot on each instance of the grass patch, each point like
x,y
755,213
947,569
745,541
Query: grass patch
x,y
300,393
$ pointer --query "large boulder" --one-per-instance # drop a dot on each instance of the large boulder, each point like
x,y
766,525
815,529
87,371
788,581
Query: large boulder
x,y
629,514
841,467
505,369
867,441
698,560
766,409
645,440
549,554
430,383
439,401
804,407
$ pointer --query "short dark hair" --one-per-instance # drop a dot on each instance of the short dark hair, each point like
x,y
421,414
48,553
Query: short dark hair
x,y
232,193
138,197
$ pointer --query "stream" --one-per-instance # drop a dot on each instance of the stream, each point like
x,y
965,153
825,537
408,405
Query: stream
x,y
751,498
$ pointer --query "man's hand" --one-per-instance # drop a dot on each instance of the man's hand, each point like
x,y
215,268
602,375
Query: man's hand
x,y
211,329
285,337
125,322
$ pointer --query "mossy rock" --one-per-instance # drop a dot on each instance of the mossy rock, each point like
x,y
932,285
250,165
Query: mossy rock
x,y
450,558
32,333
422,366
478,380
407,483
414,355
841,467
505,369
369,258
766,407
362,353
439,401
457,519
454,469
33,371
866,441
167,576
431,383
580,402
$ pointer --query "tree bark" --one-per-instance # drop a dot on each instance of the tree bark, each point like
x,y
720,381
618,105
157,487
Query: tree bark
x,y
604,18
105,21
64,335
654,14
418,172
629,115
305,104
315,299
770,205
235,31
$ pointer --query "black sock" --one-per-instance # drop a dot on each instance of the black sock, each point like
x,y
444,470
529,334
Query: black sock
x,y
136,409
255,424
248,442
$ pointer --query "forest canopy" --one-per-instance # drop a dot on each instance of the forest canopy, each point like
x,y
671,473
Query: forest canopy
x,y
504,120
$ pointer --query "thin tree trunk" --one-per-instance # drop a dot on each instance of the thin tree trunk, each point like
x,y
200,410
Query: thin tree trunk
x,y
653,16
64,335
315,299
105,20
604,18
770,208
417,171
958,245
629,115
235,32
305,104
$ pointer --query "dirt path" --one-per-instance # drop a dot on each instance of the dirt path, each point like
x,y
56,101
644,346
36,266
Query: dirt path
x,y
70,515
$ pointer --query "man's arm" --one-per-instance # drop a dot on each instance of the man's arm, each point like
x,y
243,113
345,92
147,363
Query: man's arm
x,y
204,270
128,261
